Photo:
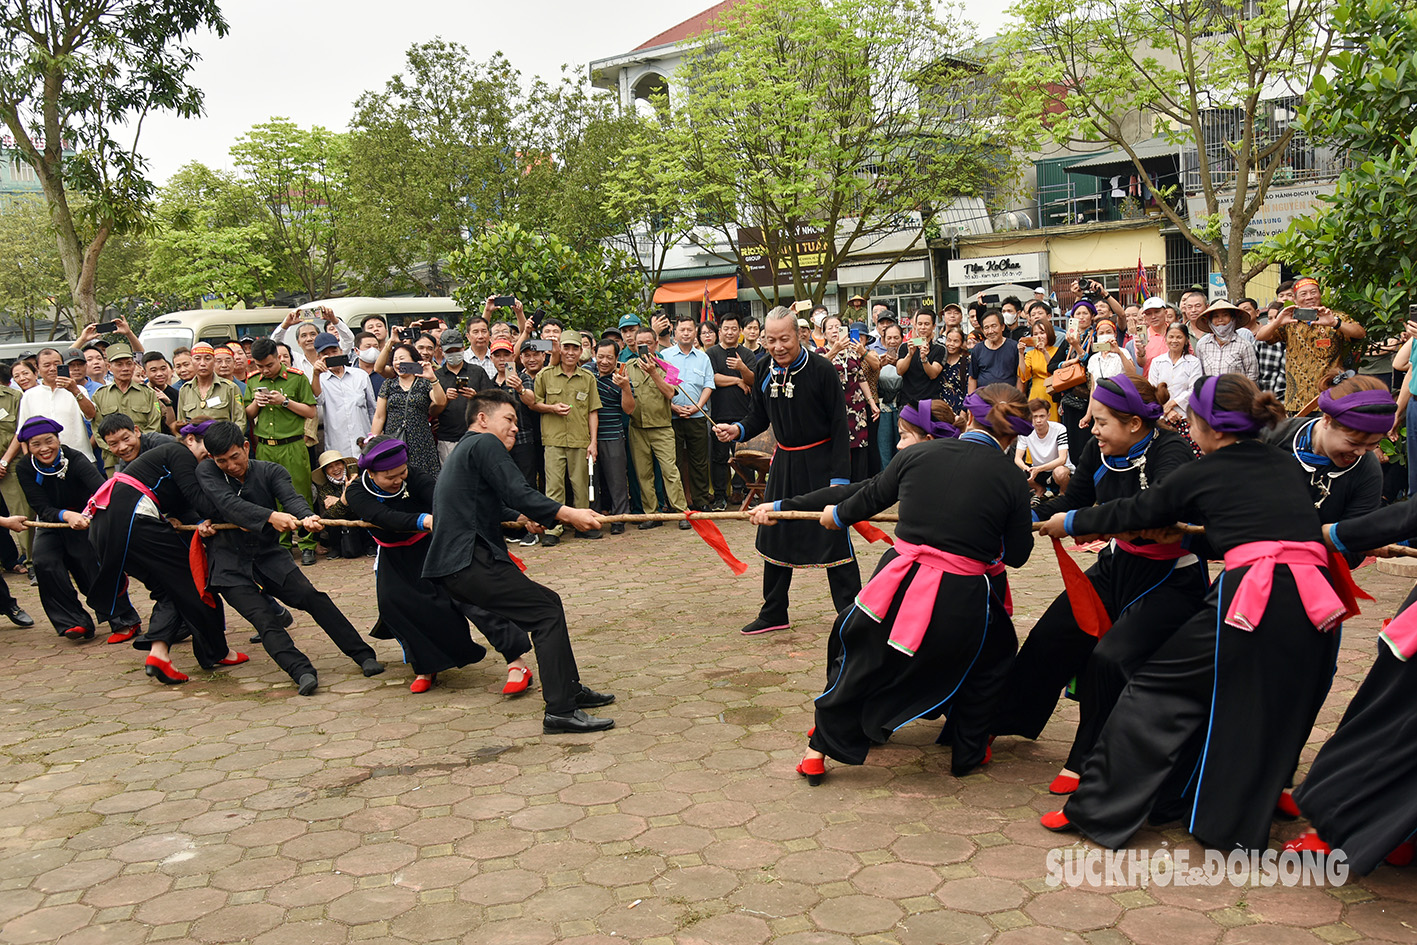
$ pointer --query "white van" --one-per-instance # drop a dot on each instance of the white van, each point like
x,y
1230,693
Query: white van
x,y
184,329
11,351
355,308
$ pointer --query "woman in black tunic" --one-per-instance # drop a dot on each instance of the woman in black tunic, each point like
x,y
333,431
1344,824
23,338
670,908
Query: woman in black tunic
x,y
396,500
921,630
58,481
1358,796
1245,669
1148,589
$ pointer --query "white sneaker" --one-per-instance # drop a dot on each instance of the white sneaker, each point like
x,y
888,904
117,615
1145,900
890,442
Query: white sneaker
x,y
529,540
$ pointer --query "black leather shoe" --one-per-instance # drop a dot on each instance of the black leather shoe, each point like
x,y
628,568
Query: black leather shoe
x,y
308,684
645,525
577,721
307,557
372,667
18,616
593,533
255,638
617,528
549,540
588,698
284,619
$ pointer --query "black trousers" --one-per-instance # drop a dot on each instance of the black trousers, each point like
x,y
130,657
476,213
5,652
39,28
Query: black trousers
x,y
150,551
58,553
508,639
249,602
844,580
722,474
529,459
969,717
502,589
295,590
691,442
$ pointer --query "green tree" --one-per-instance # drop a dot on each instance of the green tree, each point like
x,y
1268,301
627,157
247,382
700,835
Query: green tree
x,y
213,238
851,118
33,289
588,288
299,177
431,160
79,76
1363,248
1110,73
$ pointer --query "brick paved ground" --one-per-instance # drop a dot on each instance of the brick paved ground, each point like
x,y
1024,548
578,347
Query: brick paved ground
x,y
229,809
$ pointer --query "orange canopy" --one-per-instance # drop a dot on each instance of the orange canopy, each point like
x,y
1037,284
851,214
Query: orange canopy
x,y
692,290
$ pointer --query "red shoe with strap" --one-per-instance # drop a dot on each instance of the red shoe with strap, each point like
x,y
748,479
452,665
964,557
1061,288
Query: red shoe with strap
x,y
813,769
517,686
162,671
1309,842
124,635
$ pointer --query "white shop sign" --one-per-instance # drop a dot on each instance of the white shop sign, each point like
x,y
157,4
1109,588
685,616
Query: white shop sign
x,y
1026,268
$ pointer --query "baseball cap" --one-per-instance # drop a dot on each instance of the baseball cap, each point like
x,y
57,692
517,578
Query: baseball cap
x,y
1154,302
628,320
72,354
325,340
503,345
451,338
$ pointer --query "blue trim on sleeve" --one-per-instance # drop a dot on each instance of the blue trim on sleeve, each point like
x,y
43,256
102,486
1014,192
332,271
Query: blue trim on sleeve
x,y
777,506
836,516
422,521
1035,517
840,482
1068,521
1333,537
742,430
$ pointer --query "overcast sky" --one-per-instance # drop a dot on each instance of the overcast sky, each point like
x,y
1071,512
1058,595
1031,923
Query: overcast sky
x,y
308,60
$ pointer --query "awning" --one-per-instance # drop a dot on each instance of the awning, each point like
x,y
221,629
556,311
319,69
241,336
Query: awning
x,y
692,290
1109,163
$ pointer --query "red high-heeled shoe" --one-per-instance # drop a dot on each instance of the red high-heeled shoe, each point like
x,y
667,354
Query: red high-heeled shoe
x,y
422,685
1309,842
162,671
1063,784
813,769
1056,821
123,635
513,687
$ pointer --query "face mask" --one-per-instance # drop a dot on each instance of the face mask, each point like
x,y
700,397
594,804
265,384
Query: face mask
x,y
1010,318
1224,332
368,355
454,358
1106,339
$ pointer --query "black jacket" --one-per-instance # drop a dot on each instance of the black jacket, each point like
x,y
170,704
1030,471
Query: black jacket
x,y
249,504
50,495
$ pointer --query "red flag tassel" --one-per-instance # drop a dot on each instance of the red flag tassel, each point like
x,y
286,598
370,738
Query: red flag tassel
x,y
871,533
712,537
197,563
1343,583
1082,596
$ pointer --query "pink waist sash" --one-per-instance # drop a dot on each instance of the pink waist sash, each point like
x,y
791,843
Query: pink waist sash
x,y
1303,558
919,604
101,498
1170,551
410,540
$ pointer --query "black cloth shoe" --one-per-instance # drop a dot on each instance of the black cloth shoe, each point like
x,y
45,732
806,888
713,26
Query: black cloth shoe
x,y
617,528
762,626
372,667
588,698
307,684
593,533
17,615
646,525
307,557
577,721
549,540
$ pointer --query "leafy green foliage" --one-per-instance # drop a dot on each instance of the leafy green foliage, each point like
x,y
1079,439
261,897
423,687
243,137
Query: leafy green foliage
x,y
79,75
1110,74
851,117
1363,248
588,288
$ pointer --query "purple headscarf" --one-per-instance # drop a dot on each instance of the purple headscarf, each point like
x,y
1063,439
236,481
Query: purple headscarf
x,y
1221,421
919,415
1367,411
979,408
384,456
1126,399
196,429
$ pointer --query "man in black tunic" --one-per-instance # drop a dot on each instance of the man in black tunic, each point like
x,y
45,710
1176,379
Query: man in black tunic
x,y
245,492
798,392
478,489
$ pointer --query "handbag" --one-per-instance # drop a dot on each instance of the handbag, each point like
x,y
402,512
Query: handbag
x,y
1067,377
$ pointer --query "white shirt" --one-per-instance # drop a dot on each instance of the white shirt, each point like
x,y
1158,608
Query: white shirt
x,y
1179,376
60,406
297,356
1100,366
346,409
1044,449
